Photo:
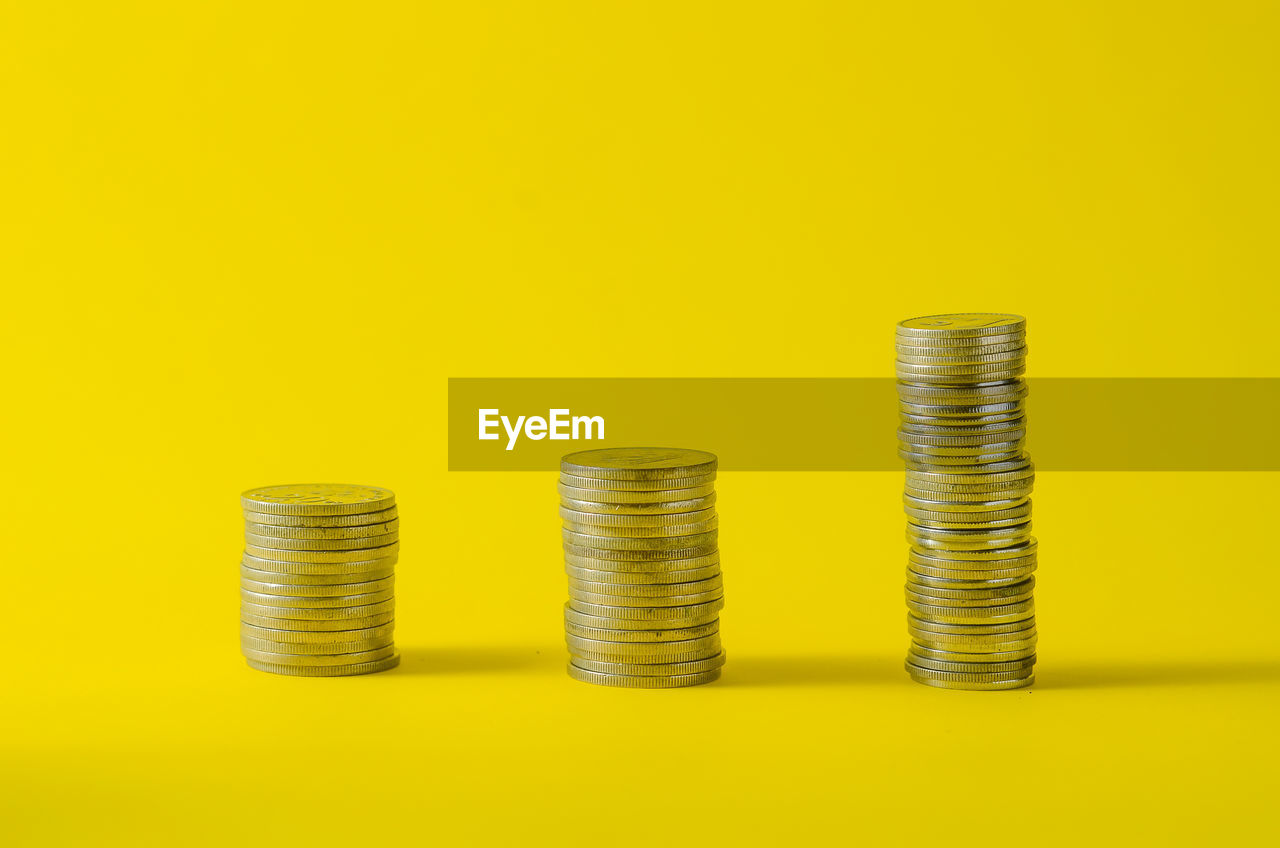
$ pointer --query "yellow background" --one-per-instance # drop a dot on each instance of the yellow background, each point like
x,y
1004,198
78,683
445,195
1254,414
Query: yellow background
x,y
246,243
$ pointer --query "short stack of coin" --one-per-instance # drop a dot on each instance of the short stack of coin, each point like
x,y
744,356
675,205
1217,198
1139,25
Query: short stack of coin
x,y
641,551
962,431
317,581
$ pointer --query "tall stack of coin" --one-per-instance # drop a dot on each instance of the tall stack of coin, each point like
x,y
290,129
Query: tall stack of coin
x,y
641,551
317,582
962,431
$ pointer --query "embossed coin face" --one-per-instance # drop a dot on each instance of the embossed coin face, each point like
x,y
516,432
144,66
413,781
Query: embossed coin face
x,y
963,324
638,463
317,499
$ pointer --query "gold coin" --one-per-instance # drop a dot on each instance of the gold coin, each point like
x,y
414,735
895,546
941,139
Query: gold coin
x,y
931,631
649,497
995,643
953,602
970,629
967,677
948,464
660,543
958,375
993,437
641,578
962,356
683,616
671,669
965,411
985,614
968,540
673,634
313,602
648,590
359,519
958,325
973,495
320,545
936,655
650,485
652,557
981,533
321,557
579,596
316,660
940,346
941,519
935,504
964,583
318,533
983,592
323,649
993,425
972,668
318,613
637,521
1015,472
1004,558
331,590
638,463
316,625
920,484
976,687
307,579
1001,391
639,509
973,455
603,559
316,637
978,574
631,681
328,670
317,499
607,622
671,531
647,652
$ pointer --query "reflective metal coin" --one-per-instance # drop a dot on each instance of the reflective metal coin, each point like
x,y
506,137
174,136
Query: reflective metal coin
x,y
639,463
671,669
327,670
962,325
322,521
317,499
631,681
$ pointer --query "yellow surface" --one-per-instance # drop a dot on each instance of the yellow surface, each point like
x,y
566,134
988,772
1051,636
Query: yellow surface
x,y
246,244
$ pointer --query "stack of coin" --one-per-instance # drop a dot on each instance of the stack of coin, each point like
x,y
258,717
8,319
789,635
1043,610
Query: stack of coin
x,y
641,551
317,582
962,431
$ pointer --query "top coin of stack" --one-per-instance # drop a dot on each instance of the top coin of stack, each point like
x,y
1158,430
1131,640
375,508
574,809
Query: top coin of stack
x,y
641,551
962,434
317,579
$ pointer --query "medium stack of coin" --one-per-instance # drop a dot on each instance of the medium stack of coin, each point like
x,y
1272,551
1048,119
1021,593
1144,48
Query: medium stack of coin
x,y
641,551
317,582
962,434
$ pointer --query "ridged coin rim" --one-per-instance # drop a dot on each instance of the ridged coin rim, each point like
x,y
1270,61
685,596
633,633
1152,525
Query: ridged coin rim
x,y
306,499
327,670
639,463
636,682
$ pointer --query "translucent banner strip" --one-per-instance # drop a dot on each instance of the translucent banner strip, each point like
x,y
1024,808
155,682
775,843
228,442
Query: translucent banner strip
x,y
801,424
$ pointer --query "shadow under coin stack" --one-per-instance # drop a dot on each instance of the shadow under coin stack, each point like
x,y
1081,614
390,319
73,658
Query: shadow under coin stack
x,y
641,552
962,430
317,582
